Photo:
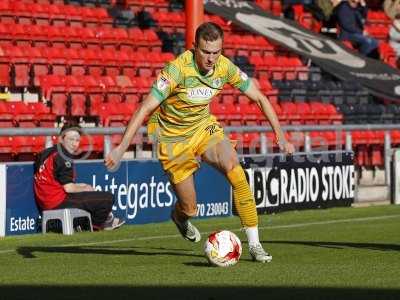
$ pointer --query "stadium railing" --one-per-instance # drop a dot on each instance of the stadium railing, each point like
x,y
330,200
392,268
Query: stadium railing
x,y
342,131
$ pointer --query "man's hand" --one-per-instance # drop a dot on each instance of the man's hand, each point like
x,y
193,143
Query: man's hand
x,y
78,187
286,147
113,158
85,187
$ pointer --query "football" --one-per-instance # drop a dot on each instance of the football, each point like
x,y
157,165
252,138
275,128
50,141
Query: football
x,y
223,248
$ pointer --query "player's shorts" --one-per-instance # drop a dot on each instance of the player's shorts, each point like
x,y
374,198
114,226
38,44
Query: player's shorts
x,y
179,158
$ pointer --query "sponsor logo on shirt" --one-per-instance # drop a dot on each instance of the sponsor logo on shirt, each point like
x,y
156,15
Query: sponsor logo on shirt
x,y
217,82
202,93
162,83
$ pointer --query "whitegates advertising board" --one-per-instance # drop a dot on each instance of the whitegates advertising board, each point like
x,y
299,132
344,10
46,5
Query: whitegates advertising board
x,y
142,193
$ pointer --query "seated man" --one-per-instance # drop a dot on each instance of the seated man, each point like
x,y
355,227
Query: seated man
x,y
350,16
55,187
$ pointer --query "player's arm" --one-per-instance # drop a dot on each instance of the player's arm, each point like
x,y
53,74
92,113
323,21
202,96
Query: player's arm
x,y
148,106
262,101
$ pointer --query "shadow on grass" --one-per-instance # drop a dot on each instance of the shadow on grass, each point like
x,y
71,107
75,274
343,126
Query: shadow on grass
x,y
197,264
340,245
24,292
29,252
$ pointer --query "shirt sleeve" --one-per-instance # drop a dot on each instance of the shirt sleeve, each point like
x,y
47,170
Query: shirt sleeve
x,y
63,170
237,78
166,82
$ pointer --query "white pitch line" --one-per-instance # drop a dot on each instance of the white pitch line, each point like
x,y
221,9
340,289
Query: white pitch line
x,y
147,238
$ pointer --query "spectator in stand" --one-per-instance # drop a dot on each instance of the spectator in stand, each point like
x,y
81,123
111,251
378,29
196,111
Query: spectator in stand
x,y
394,37
351,17
391,8
55,186
329,23
327,7
309,5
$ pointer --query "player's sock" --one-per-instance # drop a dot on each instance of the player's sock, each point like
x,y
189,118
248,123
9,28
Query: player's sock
x,y
252,235
243,197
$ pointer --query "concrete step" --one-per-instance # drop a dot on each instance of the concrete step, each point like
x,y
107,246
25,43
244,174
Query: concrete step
x,y
376,193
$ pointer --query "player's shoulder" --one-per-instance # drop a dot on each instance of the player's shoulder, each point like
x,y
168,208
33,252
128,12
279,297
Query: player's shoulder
x,y
176,67
224,62
223,59
184,59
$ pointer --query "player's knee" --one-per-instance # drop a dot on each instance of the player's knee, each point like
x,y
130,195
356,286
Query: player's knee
x,y
231,163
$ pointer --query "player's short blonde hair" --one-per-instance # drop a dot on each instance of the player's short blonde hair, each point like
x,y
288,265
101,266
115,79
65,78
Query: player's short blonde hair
x,y
208,31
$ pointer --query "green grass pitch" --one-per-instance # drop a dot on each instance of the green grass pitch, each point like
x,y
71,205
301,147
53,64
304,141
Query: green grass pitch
x,y
342,253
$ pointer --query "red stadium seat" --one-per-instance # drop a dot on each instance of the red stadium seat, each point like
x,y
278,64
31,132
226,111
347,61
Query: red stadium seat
x,y
252,141
39,63
6,115
92,145
78,107
88,37
59,104
290,113
150,41
26,147
57,59
306,114
102,16
42,13
93,61
111,62
42,114
21,11
73,14
24,115
6,148
6,36
395,136
5,78
6,12
220,111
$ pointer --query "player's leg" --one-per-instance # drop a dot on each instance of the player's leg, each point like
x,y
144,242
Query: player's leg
x,y
224,157
185,208
179,163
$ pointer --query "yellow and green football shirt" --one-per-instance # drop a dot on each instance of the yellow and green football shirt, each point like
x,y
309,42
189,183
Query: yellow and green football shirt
x,y
185,94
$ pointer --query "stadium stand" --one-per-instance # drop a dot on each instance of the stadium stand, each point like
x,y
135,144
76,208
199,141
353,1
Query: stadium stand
x,y
84,61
